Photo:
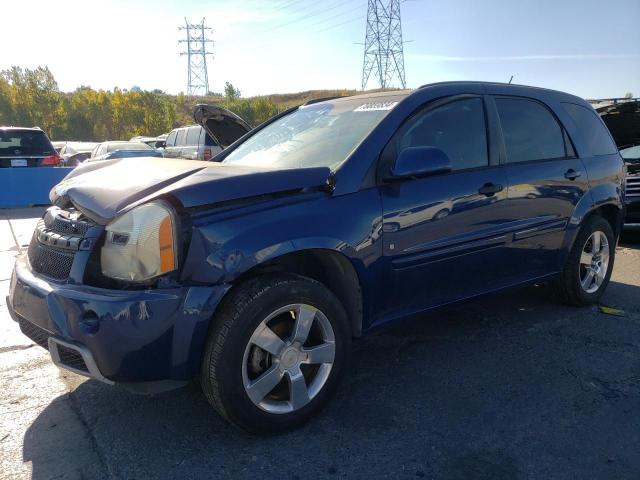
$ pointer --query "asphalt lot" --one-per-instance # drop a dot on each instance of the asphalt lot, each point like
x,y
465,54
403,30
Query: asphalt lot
x,y
512,386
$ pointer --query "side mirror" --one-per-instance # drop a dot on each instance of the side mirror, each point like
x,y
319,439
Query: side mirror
x,y
161,144
420,162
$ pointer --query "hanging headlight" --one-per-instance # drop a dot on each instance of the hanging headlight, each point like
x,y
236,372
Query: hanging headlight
x,y
141,244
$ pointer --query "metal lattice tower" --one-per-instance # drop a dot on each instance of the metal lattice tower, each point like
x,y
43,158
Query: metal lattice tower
x,y
198,83
383,53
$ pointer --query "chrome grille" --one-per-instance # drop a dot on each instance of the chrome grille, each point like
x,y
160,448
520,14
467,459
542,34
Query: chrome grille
x,y
55,241
633,186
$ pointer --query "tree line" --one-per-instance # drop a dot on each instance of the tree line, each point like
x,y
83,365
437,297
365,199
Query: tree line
x,y
32,98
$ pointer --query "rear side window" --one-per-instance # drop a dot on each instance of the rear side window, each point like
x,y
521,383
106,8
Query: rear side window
x,y
530,131
193,135
182,135
596,137
24,142
171,139
457,128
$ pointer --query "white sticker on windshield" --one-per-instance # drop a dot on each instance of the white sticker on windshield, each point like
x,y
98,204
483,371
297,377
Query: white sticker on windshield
x,y
368,107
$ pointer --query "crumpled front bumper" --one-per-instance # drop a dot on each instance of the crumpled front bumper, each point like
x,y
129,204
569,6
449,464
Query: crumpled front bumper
x,y
126,336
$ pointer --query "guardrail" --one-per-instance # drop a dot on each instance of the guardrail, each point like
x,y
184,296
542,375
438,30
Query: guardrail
x,y
25,187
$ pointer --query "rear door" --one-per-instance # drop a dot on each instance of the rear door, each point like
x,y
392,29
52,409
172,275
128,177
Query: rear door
x,y
169,147
191,149
546,181
443,235
181,138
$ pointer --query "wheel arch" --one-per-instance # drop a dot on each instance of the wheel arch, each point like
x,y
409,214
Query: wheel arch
x,y
611,212
331,268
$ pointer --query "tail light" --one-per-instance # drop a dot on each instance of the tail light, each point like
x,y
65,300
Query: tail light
x,y
51,160
207,154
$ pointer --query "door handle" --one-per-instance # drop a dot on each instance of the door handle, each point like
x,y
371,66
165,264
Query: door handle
x,y
571,174
490,189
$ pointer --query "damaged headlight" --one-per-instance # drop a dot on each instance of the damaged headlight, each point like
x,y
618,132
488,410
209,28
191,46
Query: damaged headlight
x,y
141,244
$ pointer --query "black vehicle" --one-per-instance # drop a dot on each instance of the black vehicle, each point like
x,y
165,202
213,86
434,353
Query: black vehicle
x,y
622,117
26,147
217,129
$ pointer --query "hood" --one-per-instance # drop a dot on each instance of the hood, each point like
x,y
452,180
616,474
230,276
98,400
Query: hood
x,y
623,121
104,189
223,126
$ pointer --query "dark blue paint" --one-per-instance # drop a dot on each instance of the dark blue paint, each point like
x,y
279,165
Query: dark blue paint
x,y
415,244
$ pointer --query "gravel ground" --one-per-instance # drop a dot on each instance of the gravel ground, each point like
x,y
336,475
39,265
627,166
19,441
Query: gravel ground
x,y
512,386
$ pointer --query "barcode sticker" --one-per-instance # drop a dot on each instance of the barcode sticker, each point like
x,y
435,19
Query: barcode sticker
x,y
369,107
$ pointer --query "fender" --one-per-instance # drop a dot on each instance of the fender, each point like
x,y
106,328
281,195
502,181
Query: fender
x,y
600,195
226,245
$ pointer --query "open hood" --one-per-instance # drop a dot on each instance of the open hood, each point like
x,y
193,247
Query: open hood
x,y
622,118
223,126
104,189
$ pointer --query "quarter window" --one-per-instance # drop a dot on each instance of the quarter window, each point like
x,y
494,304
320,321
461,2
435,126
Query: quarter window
x,y
530,131
595,136
457,128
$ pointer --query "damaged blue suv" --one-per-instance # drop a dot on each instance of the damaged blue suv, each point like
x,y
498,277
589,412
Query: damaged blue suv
x,y
254,272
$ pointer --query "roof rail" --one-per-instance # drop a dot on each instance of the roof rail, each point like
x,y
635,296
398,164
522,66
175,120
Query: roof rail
x,y
322,99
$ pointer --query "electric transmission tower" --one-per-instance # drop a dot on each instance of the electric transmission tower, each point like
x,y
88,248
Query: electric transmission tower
x,y
198,83
383,44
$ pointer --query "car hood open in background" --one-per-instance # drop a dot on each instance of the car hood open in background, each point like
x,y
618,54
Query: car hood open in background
x,y
623,121
102,190
223,126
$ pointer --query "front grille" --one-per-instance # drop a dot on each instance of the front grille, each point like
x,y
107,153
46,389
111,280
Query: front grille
x,y
35,333
71,358
68,227
633,186
49,261
55,241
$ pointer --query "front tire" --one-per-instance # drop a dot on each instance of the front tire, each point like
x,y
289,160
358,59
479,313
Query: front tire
x,y
590,263
275,353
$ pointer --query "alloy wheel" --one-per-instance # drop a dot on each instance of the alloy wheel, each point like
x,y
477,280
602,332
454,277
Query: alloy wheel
x,y
288,358
594,262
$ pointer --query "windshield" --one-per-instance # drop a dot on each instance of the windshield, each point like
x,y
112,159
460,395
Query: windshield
x,y
322,134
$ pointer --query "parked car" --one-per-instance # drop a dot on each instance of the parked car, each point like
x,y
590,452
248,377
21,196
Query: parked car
x,y
201,142
151,141
622,116
254,274
57,146
126,154
107,147
74,153
26,147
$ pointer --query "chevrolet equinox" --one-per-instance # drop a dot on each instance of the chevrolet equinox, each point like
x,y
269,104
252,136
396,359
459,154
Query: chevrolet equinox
x,y
253,273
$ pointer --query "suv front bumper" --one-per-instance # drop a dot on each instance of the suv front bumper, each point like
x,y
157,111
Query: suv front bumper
x,y
132,337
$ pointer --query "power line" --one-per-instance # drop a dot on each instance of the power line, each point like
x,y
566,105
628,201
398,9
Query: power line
x,y
309,14
331,27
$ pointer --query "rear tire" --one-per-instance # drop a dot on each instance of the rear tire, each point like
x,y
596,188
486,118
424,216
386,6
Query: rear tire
x,y
589,266
276,352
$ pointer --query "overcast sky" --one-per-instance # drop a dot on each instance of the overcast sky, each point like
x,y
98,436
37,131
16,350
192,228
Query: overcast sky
x,y
587,47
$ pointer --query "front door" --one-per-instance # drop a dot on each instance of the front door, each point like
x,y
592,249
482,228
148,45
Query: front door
x,y
443,235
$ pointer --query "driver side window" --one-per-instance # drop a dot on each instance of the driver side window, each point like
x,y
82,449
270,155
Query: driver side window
x,y
456,128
